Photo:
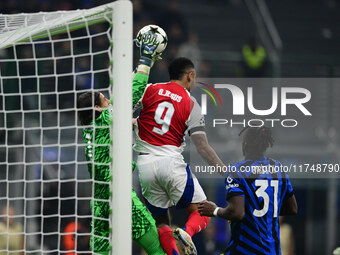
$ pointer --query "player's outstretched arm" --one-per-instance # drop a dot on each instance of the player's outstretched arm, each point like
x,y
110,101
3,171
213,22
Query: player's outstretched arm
x,y
289,206
148,56
234,211
139,82
206,151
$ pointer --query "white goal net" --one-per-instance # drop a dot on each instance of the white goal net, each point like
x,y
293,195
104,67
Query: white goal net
x,y
46,61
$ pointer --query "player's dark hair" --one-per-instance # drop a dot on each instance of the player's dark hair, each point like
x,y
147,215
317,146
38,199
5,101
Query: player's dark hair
x,y
178,67
88,100
257,140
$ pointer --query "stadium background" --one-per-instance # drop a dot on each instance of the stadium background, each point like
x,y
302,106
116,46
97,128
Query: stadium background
x,y
301,39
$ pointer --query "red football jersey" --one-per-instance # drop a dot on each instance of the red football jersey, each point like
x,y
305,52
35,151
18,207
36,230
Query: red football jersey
x,y
166,115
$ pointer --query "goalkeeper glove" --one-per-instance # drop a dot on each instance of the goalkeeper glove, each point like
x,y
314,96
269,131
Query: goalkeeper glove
x,y
147,46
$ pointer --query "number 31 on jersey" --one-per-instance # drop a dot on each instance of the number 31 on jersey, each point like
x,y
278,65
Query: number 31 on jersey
x,y
261,192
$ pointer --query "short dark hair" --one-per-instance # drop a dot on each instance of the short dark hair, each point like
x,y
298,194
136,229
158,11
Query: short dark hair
x,y
257,140
86,100
178,67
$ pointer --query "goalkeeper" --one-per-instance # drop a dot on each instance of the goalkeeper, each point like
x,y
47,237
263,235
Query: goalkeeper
x,y
97,151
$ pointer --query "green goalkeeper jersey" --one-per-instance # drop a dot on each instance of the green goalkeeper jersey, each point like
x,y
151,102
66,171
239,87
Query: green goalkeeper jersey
x,y
97,149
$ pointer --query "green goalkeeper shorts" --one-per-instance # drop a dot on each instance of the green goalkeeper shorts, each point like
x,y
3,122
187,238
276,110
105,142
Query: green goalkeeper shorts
x,y
142,222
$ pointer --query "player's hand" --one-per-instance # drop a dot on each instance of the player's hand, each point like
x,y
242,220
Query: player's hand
x,y
206,208
147,47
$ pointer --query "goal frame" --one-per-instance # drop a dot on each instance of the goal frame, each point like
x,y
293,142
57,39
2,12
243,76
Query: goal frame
x,y
121,217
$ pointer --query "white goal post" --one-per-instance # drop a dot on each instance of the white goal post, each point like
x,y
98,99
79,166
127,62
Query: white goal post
x,y
46,61
122,107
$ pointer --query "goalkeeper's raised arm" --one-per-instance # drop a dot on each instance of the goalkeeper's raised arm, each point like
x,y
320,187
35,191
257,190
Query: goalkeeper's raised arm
x,y
148,56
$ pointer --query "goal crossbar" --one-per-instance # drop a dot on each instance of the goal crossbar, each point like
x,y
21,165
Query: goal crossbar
x,y
16,28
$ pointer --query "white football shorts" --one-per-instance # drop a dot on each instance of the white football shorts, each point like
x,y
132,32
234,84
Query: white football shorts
x,y
166,182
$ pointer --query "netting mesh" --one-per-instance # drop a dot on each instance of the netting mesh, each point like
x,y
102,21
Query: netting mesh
x,y
47,60
28,27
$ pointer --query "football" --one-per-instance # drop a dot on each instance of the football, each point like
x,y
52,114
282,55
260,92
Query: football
x,y
157,32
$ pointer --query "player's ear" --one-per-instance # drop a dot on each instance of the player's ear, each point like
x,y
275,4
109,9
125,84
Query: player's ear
x,y
190,76
98,108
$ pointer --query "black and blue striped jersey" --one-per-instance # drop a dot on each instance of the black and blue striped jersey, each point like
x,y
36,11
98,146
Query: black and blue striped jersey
x,y
264,186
